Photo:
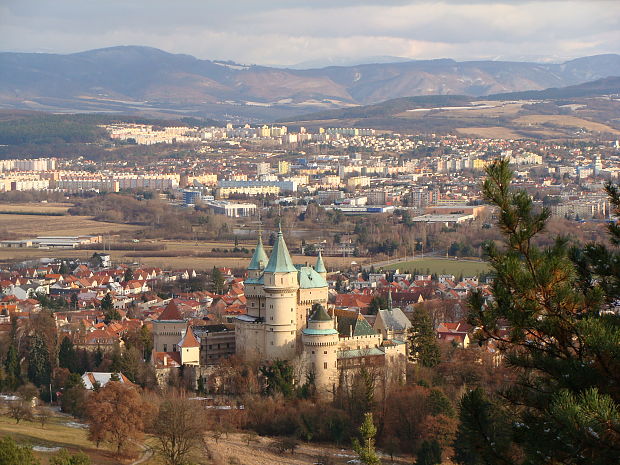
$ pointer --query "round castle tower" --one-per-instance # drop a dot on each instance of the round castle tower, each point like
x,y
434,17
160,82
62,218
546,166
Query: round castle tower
x,y
320,341
280,279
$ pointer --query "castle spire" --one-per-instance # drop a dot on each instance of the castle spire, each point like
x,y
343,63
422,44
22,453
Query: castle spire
x,y
280,260
259,259
320,265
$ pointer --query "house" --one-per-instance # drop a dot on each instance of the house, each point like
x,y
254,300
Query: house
x,y
458,333
92,379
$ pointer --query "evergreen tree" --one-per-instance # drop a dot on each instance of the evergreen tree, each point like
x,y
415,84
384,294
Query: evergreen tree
x,y
218,281
74,300
39,367
106,303
13,454
377,303
12,368
564,338
279,377
429,453
423,345
128,276
484,435
64,269
440,404
110,313
67,357
366,449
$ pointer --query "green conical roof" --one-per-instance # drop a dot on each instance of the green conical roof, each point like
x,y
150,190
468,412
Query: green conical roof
x,y
259,256
280,260
320,315
320,265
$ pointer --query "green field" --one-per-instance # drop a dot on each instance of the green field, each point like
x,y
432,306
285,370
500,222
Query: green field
x,y
441,266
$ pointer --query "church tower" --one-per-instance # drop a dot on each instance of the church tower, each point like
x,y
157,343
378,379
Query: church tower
x,y
280,280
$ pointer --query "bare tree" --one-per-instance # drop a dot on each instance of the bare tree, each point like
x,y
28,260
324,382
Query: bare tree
x,y
178,430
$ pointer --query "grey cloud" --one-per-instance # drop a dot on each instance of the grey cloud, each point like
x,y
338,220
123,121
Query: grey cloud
x,y
291,31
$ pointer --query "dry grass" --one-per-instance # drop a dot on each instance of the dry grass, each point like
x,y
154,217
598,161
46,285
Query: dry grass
x,y
260,453
27,226
56,434
36,207
565,121
494,132
183,255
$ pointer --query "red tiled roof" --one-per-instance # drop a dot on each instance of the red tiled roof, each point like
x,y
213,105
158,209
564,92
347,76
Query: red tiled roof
x,y
189,340
170,313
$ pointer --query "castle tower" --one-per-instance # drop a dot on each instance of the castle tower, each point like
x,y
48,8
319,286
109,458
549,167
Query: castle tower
x,y
280,285
259,259
319,267
189,347
320,342
168,329
253,290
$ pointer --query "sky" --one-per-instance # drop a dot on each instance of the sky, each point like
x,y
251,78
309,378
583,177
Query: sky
x,y
287,32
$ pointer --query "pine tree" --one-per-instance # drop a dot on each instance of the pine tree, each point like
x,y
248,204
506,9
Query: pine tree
x,y
67,358
39,368
564,338
218,281
429,453
366,449
484,436
423,345
106,303
128,276
12,368
64,269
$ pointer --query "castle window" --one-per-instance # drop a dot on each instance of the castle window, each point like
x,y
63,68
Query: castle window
x,y
325,365
325,352
174,348
271,342
271,318
313,351
165,347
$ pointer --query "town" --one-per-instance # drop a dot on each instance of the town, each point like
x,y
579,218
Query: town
x,y
310,233
333,271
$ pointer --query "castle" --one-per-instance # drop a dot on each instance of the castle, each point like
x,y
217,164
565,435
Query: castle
x,y
288,319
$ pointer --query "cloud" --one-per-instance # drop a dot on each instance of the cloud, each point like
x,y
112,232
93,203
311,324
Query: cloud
x,y
292,31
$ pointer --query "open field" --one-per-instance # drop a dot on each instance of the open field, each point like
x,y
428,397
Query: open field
x,y
177,255
259,453
56,434
26,226
564,121
441,266
36,207
493,132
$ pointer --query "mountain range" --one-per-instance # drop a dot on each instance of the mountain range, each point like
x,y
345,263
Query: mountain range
x,y
143,80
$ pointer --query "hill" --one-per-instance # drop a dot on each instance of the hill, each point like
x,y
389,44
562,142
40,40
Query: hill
x,y
580,111
145,80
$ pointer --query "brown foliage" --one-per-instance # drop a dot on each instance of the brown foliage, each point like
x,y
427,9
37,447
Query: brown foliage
x,y
117,415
